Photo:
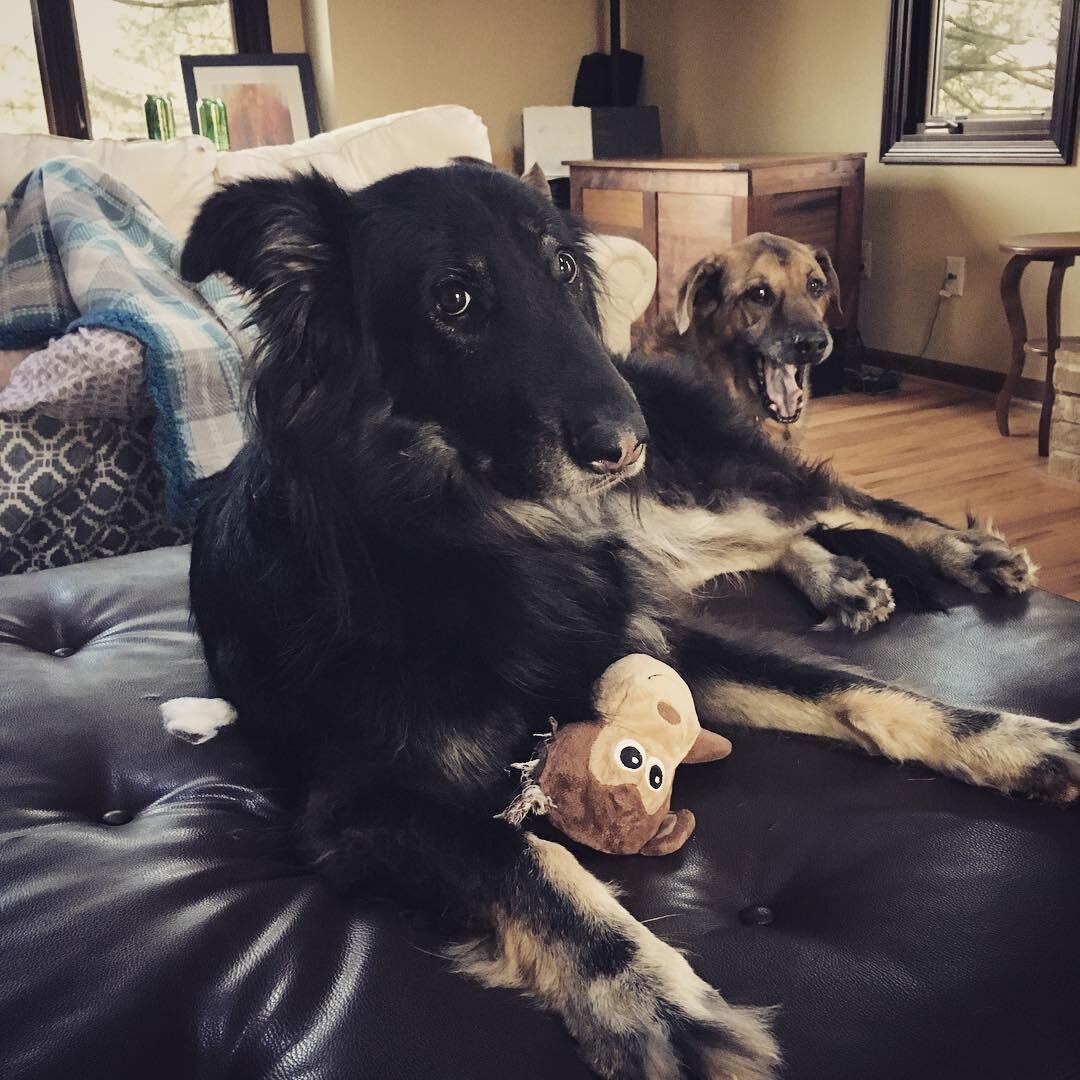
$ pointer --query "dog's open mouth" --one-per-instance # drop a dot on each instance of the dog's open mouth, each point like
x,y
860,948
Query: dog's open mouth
x,y
781,389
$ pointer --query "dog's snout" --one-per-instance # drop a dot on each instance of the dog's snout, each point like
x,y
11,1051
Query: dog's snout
x,y
606,449
810,348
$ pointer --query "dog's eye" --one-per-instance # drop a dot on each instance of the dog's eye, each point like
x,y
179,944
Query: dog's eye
x,y
759,294
815,286
451,298
656,775
630,755
567,268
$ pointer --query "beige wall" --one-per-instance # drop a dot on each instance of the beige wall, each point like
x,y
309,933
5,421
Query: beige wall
x,y
807,75
286,25
494,57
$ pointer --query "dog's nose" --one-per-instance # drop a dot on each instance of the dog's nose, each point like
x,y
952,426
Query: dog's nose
x,y
810,347
605,450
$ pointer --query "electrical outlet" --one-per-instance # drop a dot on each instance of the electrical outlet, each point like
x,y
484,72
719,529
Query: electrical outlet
x,y
954,275
867,268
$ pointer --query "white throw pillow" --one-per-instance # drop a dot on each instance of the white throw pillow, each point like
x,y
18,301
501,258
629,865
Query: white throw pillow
x,y
360,154
175,177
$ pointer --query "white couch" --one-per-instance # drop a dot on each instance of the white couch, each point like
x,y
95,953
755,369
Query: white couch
x,y
176,177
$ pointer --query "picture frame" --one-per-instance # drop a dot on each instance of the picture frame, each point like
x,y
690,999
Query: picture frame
x,y
269,97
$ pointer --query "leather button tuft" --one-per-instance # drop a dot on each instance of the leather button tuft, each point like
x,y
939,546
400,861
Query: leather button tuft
x,y
756,915
64,650
116,817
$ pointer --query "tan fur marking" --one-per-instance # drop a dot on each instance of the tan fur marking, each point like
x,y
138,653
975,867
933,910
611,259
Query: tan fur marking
x,y
694,545
626,1004
903,727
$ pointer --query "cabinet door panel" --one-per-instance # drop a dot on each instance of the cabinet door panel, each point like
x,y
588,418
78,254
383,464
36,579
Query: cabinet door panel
x,y
689,227
621,213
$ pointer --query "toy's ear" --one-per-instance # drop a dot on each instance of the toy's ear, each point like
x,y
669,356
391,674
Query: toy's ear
x,y
708,747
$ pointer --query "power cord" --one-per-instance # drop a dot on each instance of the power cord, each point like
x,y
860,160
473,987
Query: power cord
x,y
942,294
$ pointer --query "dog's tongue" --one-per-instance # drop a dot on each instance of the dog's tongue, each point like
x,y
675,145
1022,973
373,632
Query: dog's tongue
x,y
783,389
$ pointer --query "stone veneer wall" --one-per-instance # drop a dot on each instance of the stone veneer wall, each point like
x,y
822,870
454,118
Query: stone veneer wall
x,y
1065,422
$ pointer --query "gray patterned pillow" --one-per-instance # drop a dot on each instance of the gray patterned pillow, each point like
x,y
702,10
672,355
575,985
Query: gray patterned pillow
x,y
72,490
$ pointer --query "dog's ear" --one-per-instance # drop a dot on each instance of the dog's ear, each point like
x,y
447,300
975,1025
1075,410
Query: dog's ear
x,y
702,285
824,261
287,242
291,243
536,179
264,232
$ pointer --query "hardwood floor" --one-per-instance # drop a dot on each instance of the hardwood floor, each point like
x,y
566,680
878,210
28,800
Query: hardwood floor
x,y
936,447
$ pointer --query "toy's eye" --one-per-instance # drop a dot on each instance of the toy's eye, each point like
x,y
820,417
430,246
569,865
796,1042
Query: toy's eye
x,y
566,270
656,775
451,298
630,755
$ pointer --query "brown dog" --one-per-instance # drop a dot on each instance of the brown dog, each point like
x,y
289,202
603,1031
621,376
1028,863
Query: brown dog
x,y
754,316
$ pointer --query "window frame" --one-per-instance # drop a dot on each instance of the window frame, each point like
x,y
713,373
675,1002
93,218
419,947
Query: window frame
x,y
981,141
56,35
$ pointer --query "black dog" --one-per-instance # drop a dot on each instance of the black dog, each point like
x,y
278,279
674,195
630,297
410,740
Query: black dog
x,y
443,530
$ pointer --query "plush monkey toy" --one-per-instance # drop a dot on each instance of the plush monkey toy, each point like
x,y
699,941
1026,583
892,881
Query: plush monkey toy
x,y
606,783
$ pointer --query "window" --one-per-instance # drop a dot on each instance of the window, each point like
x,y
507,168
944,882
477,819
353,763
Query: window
x,y
84,67
981,81
22,105
130,49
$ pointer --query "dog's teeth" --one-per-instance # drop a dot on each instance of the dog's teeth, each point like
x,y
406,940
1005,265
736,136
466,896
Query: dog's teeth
x,y
775,408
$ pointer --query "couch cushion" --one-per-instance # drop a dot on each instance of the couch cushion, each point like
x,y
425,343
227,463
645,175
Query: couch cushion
x,y
154,921
362,153
173,177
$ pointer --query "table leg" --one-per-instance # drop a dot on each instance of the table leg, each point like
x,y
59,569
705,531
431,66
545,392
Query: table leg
x,y
1053,341
1014,312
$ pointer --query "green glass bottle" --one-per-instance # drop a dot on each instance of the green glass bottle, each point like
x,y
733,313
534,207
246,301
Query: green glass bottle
x,y
160,123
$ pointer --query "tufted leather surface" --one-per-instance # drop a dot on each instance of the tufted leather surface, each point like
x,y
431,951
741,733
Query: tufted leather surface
x,y
153,922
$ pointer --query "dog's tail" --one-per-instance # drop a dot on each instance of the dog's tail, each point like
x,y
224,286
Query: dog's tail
x,y
913,578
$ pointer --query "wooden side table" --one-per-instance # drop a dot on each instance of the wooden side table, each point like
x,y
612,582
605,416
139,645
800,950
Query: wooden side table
x,y
683,209
1061,250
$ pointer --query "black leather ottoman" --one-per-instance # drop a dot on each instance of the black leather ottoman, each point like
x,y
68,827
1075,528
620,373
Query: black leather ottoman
x,y
154,923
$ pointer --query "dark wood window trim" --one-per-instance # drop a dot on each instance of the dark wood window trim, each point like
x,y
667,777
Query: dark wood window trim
x,y
981,141
57,36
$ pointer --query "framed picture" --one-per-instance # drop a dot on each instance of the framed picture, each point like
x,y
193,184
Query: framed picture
x,y
269,97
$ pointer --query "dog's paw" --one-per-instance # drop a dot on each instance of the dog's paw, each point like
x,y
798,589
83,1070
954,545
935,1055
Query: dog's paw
x,y
853,598
1019,755
1054,775
981,559
661,1021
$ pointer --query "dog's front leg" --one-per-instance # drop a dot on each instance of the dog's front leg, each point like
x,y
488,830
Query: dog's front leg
x,y
528,916
736,680
841,588
977,557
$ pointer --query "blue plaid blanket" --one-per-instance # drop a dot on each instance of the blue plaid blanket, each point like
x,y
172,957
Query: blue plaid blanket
x,y
85,250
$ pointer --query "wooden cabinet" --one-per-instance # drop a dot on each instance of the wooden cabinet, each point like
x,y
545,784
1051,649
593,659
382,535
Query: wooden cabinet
x,y
682,209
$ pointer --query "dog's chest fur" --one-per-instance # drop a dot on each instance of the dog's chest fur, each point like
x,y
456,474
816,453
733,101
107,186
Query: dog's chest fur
x,y
683,546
